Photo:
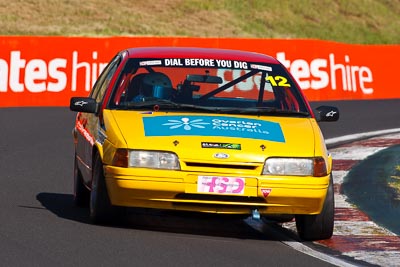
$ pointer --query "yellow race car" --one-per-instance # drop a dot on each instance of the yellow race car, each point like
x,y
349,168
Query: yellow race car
x,y
206,130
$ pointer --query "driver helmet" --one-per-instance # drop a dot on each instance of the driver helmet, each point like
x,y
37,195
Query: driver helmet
x,y
157,84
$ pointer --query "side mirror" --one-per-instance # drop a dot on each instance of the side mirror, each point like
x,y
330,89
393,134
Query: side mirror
x,y
83,104
326,113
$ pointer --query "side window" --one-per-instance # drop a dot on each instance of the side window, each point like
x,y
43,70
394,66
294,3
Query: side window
x,y
104,80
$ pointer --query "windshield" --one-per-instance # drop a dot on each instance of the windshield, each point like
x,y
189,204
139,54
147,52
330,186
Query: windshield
x,y
224,86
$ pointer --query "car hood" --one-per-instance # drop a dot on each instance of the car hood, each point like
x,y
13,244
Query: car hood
x,y
209,136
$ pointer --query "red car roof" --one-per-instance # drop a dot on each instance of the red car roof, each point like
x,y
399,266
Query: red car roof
x,y
192,52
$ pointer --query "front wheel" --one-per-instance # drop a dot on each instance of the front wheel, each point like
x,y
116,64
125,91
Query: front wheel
x,y
101,209
320,226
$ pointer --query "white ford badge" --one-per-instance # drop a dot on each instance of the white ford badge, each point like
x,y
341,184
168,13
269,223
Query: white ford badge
x,y
221,156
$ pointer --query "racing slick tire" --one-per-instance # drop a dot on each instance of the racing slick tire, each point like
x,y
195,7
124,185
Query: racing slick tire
x,y
101,209
320,226
81,193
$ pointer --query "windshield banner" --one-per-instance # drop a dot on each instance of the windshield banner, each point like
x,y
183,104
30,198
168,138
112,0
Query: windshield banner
x,y
48,71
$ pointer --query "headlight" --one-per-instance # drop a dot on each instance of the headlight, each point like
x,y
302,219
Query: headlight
x,y
151,159
295,166
146,159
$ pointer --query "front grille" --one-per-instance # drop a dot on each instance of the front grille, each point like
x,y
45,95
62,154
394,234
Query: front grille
x,y
220,166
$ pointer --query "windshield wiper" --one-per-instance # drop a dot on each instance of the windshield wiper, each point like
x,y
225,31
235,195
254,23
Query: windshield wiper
x,y
159,104
271,110
151,102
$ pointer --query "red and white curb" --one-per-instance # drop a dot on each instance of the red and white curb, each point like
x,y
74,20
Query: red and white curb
x,y
355,235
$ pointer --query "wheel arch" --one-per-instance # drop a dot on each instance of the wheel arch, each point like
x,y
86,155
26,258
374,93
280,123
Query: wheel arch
x,y
97,150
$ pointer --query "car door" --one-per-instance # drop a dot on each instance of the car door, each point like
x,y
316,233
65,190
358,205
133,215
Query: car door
x,y
88,125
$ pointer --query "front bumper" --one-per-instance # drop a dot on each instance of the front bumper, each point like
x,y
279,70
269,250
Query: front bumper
x,y
178,190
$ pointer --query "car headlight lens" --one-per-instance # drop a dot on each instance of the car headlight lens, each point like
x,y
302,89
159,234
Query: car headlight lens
x,y
146,159
151,159
295,166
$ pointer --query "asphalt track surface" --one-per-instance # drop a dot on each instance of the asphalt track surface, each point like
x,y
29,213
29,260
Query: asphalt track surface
x,y
41,227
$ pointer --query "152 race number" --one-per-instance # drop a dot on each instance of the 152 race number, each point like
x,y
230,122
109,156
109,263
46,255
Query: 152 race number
x,y
220,185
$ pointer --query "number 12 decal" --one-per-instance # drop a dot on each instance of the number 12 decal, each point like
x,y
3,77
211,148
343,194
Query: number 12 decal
x,y
277,81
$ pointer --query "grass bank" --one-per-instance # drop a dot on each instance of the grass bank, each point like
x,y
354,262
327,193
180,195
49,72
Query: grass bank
x,y
348,21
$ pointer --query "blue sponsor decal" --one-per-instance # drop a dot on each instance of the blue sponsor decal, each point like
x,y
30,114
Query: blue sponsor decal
x,y
213,126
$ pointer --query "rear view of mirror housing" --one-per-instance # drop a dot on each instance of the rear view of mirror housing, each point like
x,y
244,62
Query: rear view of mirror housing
x,y
83,104
204,78
326,113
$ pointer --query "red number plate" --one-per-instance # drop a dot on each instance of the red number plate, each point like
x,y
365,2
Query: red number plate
x,y
220,185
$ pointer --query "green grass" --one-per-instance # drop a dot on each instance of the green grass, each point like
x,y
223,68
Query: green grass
x,y
394,181
348,21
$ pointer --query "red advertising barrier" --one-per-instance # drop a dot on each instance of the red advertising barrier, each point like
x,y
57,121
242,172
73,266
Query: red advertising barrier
x,y
48,71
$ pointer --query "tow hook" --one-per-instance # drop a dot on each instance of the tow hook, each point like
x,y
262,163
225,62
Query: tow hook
x,y
256,214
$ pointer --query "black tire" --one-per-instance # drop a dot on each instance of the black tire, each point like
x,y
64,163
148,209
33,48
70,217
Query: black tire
x,y
320,226
101,210
81,193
